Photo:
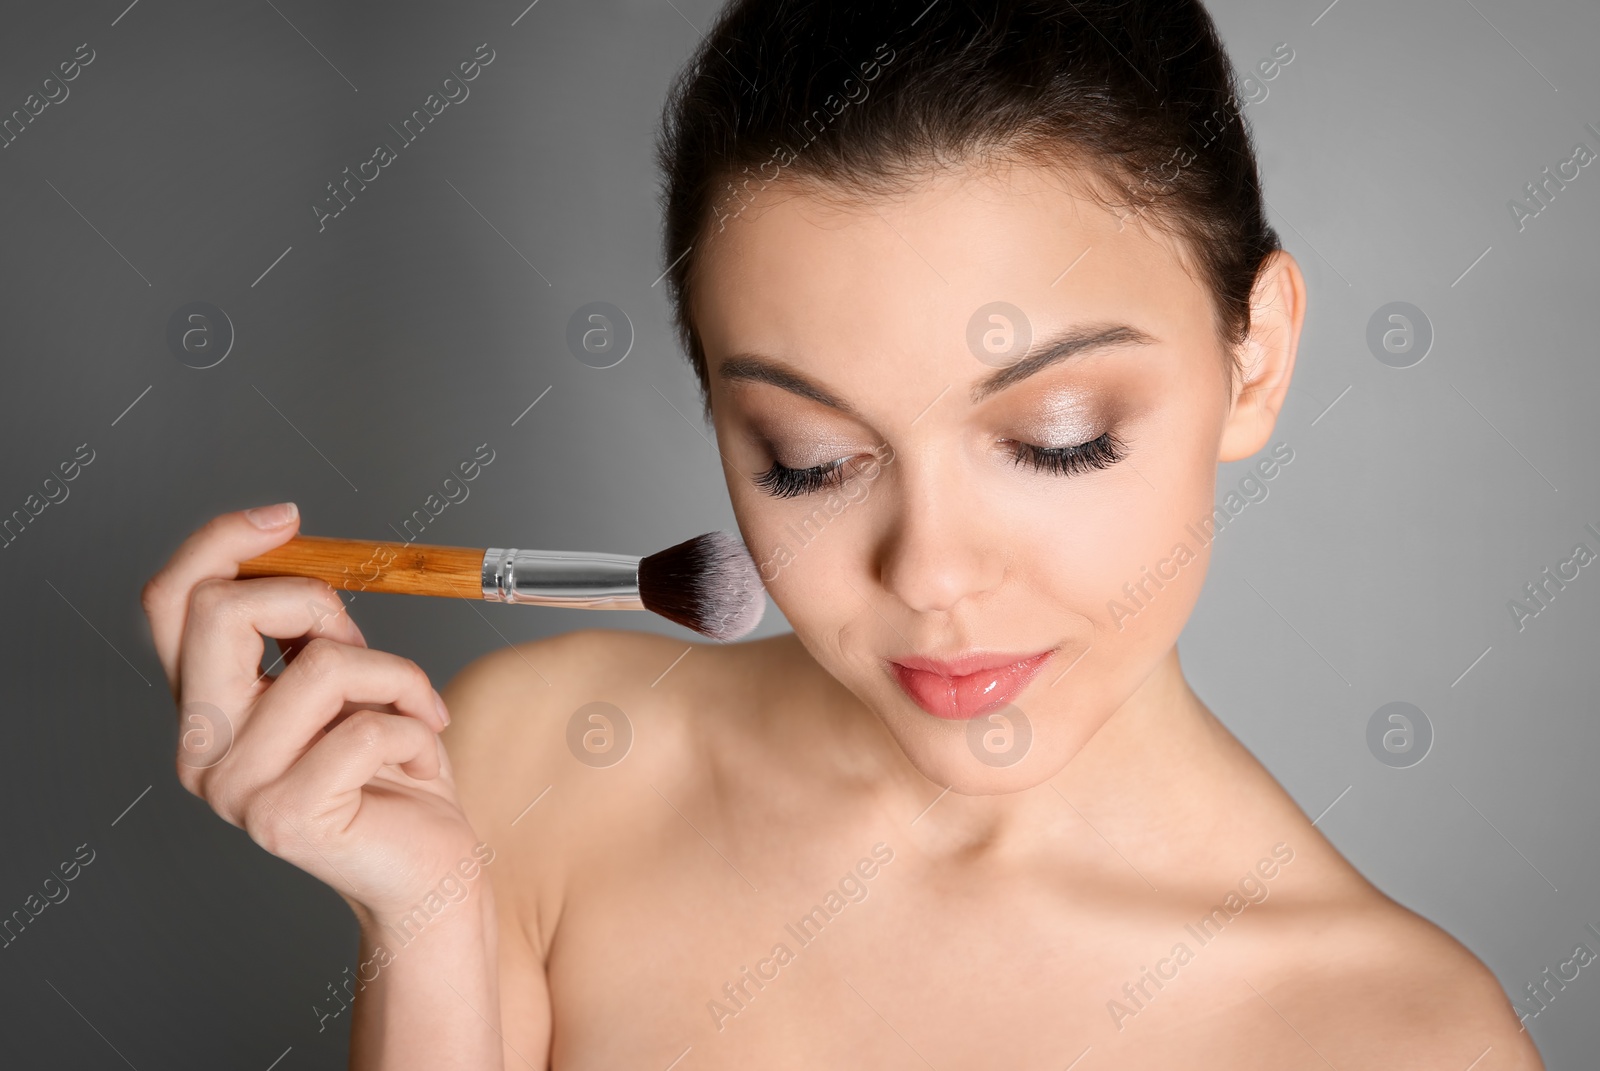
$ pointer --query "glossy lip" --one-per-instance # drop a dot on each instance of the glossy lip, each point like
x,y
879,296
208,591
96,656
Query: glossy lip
x,y
968,685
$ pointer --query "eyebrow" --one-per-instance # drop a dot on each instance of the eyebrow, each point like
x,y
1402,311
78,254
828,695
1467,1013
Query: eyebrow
x,y
1073,342
757,368
1069,343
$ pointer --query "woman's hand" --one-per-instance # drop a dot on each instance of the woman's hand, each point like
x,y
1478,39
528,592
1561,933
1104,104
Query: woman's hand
x,y
334,764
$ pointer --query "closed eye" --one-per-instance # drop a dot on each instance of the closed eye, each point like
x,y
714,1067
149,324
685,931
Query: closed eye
x,y
1101,452
780,481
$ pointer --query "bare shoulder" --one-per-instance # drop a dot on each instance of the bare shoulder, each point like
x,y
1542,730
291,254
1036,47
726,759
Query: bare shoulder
x,y
547,714
1362,979
1374,985
510,709
524,788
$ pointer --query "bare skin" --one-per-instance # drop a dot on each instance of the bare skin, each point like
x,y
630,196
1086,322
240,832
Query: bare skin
x,y
964,913
989,940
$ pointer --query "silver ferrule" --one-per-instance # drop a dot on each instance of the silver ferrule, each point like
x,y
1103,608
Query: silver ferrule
x,y
562,578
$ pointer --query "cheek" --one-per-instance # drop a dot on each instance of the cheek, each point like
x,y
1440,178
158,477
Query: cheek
x,y
808,551
1129,551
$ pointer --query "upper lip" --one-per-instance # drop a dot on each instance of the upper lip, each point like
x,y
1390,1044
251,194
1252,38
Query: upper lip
x,y
966,663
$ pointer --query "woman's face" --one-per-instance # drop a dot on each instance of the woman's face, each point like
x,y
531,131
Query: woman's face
x,y
959,518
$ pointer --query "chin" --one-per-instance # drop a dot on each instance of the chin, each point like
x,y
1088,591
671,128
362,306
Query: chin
x,y
950,763
1011,748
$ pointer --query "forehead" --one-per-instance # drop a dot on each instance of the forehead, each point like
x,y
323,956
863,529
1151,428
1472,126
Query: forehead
x,y
828,283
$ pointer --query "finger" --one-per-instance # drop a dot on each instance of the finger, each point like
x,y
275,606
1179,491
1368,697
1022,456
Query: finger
x,y
215,550
353,752
321,793
323,680
290,719
219,660
288,648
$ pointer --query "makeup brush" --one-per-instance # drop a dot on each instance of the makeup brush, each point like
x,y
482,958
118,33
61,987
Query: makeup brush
x,y
707,583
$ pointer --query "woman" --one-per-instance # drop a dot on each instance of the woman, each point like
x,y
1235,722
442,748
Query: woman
x,y
979,295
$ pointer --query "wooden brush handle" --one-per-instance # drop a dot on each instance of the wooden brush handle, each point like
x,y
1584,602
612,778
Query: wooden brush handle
x,y
366,565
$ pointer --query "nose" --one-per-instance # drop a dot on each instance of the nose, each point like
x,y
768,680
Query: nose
x,y
941,545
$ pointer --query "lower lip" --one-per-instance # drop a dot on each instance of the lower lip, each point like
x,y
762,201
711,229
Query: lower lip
x,y
964,697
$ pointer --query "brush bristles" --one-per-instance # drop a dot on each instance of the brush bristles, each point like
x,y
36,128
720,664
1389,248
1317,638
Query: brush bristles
x,y
708,583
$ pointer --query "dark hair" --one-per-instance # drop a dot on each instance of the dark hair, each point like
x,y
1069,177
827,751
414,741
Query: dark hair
x,y
866,96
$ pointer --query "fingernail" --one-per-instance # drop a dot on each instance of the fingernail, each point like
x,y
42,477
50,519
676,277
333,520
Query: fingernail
x,y
438,701
267,517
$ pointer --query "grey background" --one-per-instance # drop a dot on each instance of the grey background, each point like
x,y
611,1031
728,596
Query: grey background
x,y
375,355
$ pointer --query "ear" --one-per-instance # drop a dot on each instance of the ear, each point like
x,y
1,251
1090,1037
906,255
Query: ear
x,y
1266,356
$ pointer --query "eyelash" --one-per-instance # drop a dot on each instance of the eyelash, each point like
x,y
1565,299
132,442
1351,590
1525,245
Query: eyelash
x,y
1101,452
780,481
